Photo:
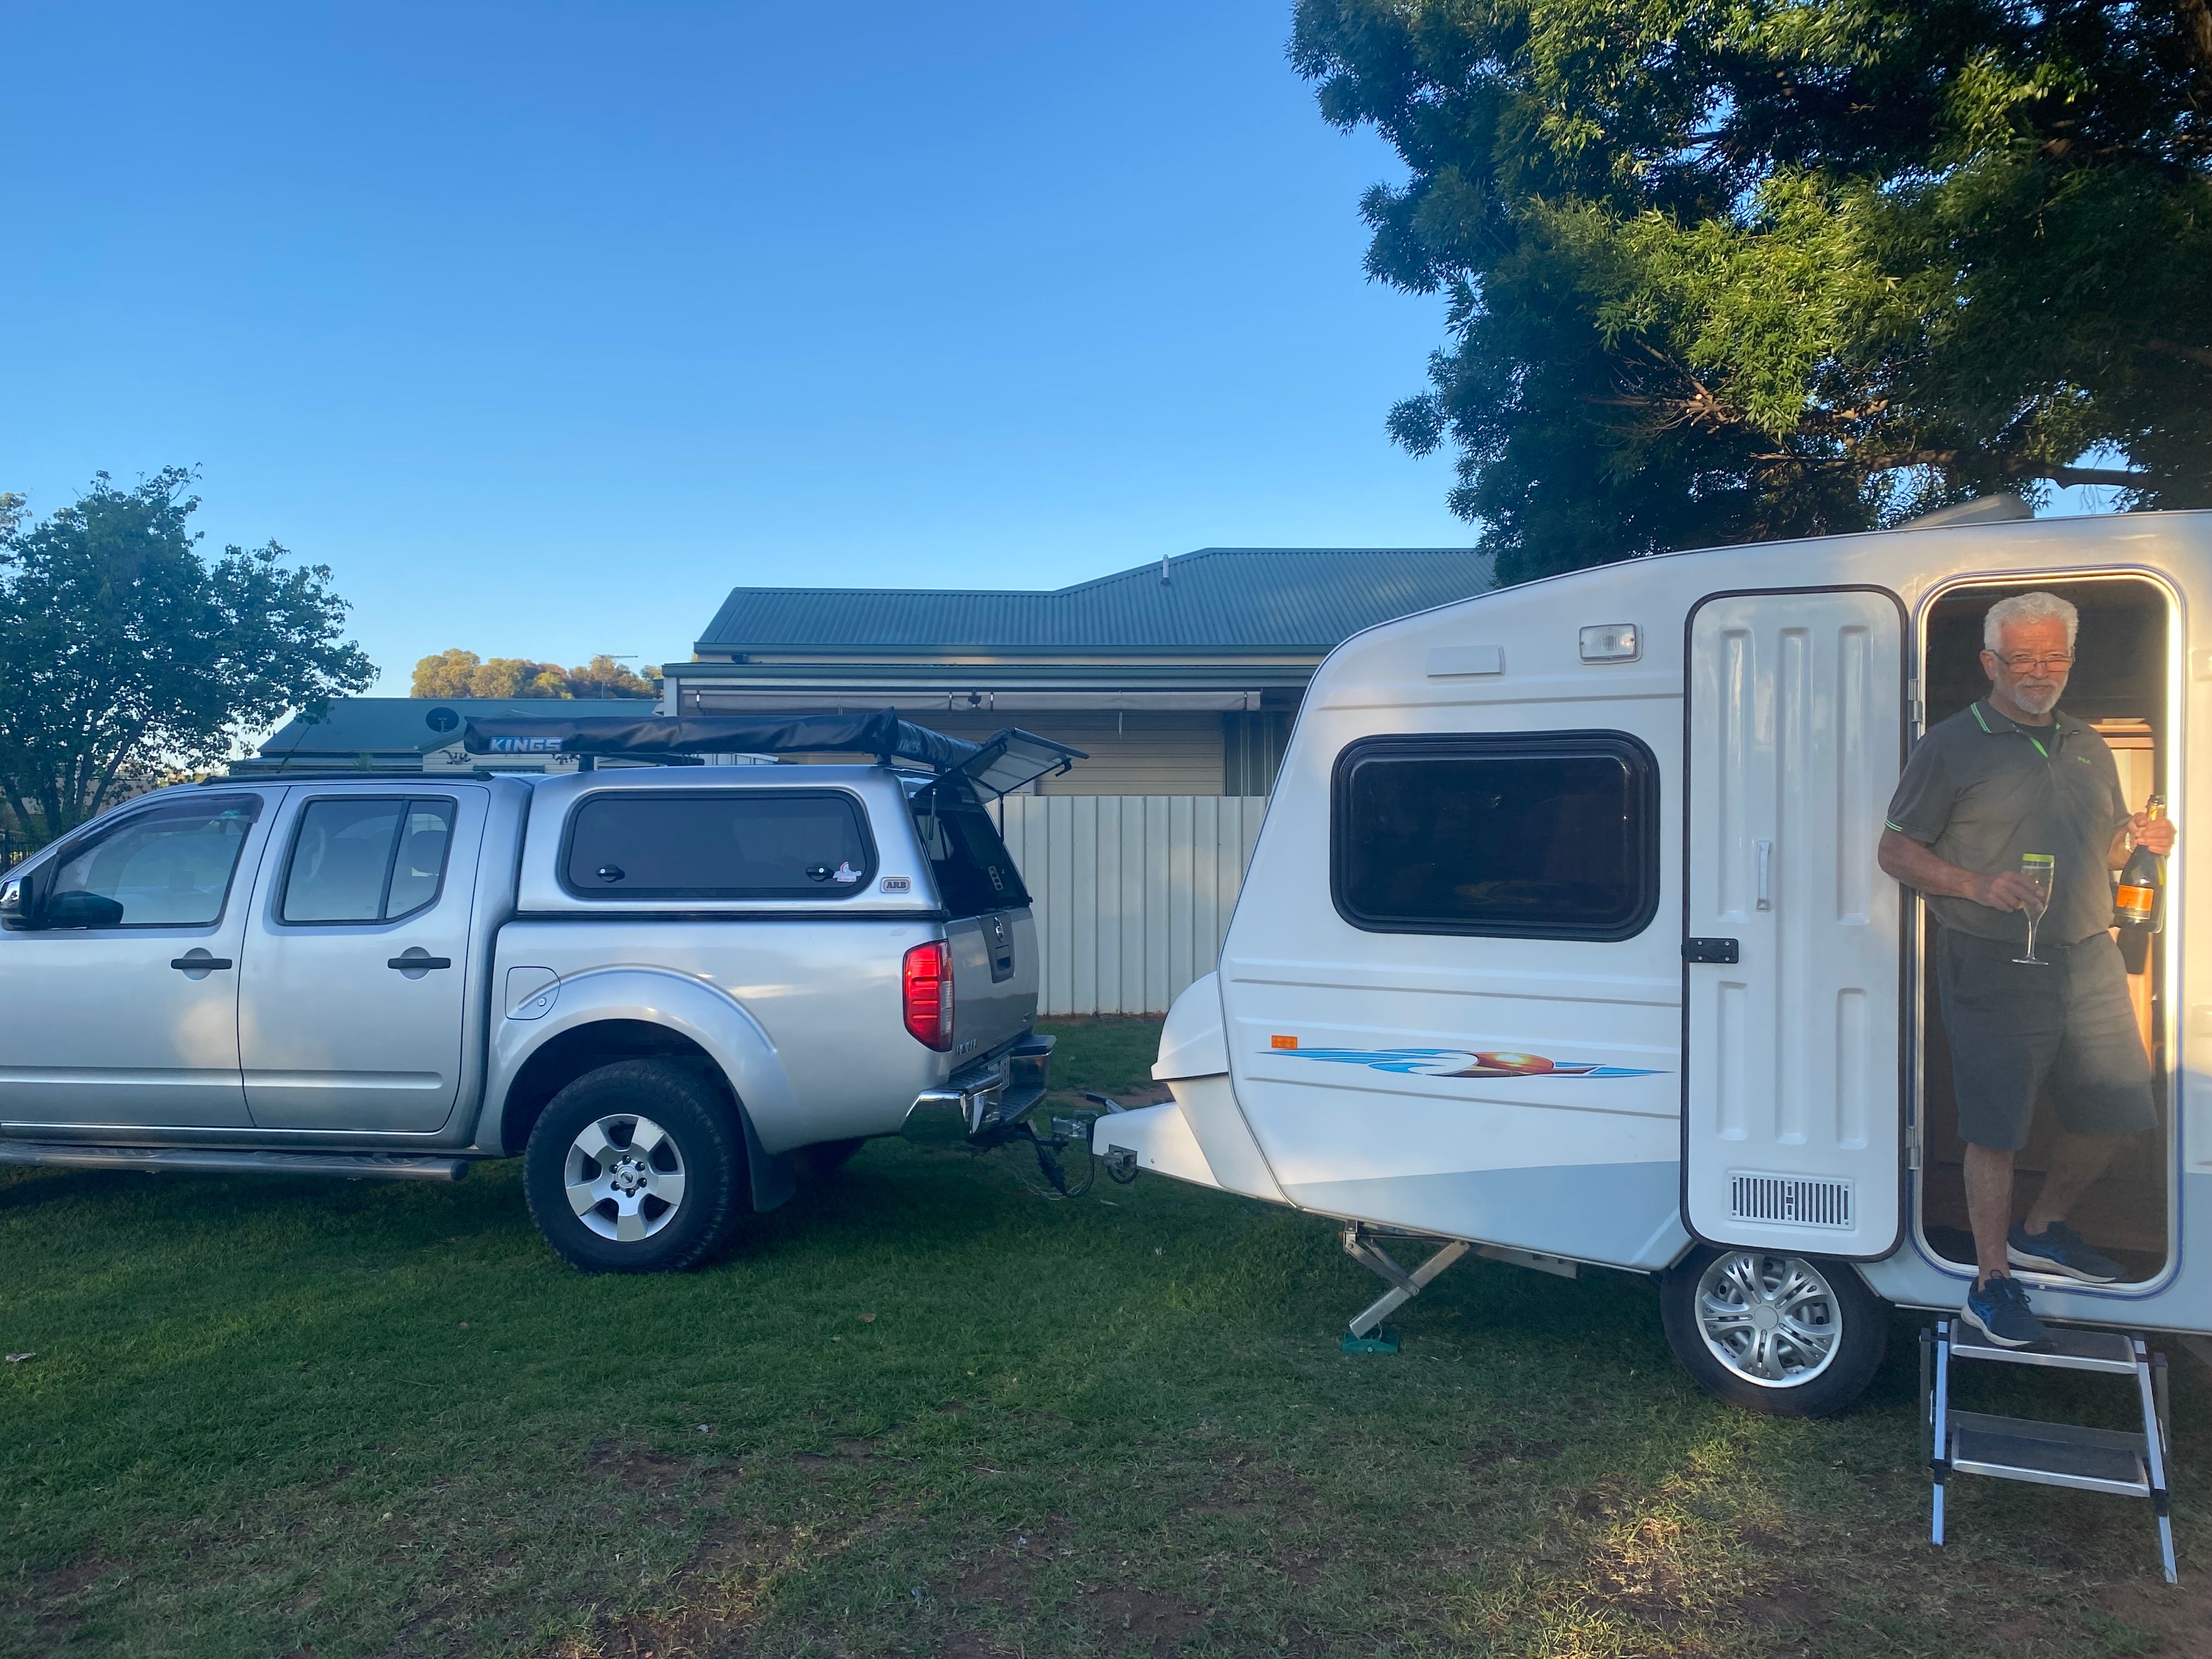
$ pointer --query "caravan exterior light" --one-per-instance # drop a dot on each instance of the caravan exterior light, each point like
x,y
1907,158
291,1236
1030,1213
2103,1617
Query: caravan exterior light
x,y
1611,642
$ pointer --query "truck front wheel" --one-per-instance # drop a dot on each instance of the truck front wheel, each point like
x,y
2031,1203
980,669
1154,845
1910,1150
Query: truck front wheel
x,y
635,1168
1790,1335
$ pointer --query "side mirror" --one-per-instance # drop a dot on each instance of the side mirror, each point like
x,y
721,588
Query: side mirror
x,y
20,897
78,909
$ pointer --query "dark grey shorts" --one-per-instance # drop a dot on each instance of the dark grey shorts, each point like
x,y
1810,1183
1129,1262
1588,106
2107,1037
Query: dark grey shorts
x,y
2015,1027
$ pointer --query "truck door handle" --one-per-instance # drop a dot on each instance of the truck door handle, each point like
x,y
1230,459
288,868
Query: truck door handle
x,y
198,963
1764,852
416,960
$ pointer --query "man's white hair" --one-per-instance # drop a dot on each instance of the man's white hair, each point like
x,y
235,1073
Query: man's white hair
x,y
2027,608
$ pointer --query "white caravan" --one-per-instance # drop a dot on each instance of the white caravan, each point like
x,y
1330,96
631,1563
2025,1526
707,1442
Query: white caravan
x,y
1564,938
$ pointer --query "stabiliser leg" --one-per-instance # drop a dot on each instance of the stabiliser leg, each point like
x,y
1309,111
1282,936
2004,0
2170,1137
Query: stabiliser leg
x,y
1359,1243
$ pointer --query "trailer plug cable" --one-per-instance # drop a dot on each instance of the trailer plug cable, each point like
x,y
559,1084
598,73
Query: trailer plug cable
x,y
1065,1133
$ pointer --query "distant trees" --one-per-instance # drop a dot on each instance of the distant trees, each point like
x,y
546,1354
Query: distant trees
x,y
1721,273
123,654
464,674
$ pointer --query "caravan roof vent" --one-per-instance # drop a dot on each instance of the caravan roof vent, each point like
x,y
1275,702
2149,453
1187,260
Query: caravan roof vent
x,y
1799,1201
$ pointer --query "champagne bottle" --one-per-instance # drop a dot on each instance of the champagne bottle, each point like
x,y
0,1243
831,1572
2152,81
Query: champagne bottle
x,y
2140,904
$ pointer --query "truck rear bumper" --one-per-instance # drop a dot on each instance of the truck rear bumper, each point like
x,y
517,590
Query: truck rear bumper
x,y
982,1098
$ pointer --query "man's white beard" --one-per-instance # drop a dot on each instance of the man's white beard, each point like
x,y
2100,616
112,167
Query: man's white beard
x,y
2037,699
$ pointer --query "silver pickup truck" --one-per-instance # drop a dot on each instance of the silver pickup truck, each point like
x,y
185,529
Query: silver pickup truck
x,y
663,986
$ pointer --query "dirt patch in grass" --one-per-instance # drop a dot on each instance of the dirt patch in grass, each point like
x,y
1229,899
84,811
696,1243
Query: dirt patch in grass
x,y
2177,1617
54,1600
1114,1614
1130,1611
1794,1610
706,1608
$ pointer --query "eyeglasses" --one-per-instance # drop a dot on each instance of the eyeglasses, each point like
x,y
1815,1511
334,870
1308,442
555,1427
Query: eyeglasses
x,y
2053,660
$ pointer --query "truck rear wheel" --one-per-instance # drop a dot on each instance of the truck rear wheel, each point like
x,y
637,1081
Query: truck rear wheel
x,y
1790,1335
635,1168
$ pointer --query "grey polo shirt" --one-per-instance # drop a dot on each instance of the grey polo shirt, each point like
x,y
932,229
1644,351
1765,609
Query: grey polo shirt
x,y
1980,790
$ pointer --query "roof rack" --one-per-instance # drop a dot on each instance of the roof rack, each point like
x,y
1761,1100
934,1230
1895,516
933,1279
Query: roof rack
x,y
1004,761
325,771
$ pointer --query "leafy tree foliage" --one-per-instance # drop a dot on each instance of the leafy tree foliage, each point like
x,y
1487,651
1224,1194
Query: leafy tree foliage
x,y
1730,270
124,652
464,674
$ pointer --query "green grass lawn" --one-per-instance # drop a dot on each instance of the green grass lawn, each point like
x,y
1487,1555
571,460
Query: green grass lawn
x,y
923,1410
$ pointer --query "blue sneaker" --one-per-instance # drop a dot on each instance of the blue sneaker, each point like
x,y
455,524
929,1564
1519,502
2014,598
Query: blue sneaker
x,y
2059,1249
1998,1309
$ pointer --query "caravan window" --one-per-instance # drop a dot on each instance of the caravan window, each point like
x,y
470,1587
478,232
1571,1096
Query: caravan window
x,y
1527,835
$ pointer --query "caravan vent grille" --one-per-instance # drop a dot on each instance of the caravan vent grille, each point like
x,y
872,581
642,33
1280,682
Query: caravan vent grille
x,y
1800,1200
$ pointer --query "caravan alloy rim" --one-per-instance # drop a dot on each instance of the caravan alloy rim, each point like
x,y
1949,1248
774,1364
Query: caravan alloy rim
x,y
1773,1320
624,1177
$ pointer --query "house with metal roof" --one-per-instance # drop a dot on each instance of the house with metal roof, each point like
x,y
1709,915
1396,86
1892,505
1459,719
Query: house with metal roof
x,y
1178,678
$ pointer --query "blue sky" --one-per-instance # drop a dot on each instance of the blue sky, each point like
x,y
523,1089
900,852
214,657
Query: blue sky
x,y
545,325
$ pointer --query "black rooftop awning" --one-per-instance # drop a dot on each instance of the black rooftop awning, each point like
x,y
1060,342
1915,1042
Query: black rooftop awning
x,y
1004,761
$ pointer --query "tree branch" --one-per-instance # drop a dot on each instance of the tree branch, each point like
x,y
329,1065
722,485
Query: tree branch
x,y
2196,354
2195,19
2067,477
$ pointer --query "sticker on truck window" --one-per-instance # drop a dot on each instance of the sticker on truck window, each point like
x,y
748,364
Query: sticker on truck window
x,y
1454,1062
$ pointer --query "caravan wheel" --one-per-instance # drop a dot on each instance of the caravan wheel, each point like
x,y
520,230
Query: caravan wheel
x,y
1791,1335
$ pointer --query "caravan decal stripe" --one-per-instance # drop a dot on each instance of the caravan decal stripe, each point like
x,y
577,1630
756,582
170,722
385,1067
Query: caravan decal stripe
x,y
1456,1063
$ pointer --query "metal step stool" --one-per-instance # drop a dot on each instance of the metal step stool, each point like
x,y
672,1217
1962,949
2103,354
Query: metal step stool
x,y
2048,1454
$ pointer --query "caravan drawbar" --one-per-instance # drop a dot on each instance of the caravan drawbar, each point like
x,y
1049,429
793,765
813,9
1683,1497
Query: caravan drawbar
x,y
1564,938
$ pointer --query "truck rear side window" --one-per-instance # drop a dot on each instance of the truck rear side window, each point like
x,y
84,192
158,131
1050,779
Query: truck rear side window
x,y
719,844
1527,835
372,858
975,872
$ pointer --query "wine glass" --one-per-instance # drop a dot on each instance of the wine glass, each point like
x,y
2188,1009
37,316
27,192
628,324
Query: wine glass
x,y
2039,868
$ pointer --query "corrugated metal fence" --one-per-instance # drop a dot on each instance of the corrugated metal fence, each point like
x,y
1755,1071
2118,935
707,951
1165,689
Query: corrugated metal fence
x,y
1133,893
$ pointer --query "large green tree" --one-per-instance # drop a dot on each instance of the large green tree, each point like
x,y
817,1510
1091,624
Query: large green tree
x,y
1727,270
124,652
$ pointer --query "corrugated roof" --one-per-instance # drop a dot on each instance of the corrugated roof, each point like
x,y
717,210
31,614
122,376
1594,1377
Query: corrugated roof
x,y
1219,599
404,725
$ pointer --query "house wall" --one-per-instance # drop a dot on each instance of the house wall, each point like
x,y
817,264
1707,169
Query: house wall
x,y
1132,894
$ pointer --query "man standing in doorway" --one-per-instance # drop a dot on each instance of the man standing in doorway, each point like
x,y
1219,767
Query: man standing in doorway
x,y
2007,776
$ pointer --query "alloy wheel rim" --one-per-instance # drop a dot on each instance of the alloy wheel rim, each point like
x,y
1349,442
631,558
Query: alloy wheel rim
x,y
624,1177
1772,1319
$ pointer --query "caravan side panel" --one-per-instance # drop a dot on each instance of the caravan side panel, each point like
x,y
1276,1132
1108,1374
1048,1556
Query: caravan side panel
x,y
1366,1053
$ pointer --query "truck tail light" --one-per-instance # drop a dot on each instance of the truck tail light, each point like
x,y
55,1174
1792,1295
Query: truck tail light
x,y
926,982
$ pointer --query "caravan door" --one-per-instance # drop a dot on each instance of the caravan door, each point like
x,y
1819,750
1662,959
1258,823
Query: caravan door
x,y
1793,1102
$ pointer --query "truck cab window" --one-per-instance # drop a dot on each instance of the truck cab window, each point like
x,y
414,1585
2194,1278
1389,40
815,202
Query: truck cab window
x,y
1529,835
367,859
168,867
